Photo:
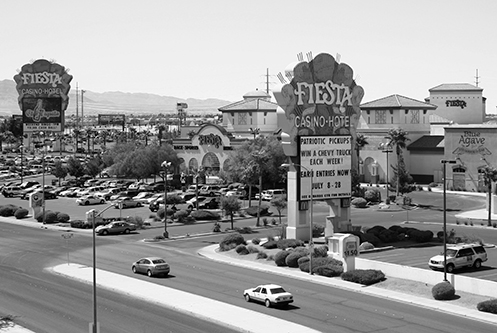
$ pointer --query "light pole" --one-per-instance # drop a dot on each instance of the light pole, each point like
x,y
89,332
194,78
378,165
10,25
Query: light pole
x,y
22,163
444,162
82,114
387,148
165,165
311,243
44,154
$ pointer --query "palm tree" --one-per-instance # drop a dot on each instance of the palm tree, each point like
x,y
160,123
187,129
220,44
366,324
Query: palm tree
x,y
160,128
76,133
489,176
398,138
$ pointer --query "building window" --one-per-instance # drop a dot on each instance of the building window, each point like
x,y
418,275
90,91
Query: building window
x,y
242,118
415,117
380,117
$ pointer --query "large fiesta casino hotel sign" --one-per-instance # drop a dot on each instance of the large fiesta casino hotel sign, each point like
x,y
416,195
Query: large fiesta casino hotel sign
x,y
43,89
321,110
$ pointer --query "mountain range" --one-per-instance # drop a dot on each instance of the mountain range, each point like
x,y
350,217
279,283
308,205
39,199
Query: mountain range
x,y
114,102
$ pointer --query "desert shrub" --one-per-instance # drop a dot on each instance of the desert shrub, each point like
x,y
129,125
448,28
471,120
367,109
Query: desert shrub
x,y
80,224
328,270
50,217
280,257
303,263
433,184
21,213
366,246
388,236
241,249
287,243
488,306
216,227
376,230
231,241
261,255
272,244
264,210
64,218
265,221
372,195
8,210
398,229
366,277
316,262
317,230
443,291
270,238
244,230
359,203
320,251
256,241
181,215
292,259
421,236
370,238
202,215
252,249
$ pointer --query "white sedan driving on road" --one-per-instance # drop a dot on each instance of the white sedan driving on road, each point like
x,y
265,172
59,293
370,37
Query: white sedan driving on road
x,y
269,294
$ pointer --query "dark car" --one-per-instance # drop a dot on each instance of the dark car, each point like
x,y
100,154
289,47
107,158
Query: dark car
x,y
48,194
116,227
209,203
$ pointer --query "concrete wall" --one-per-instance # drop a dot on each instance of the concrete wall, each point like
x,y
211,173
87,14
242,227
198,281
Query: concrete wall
x,y
460,283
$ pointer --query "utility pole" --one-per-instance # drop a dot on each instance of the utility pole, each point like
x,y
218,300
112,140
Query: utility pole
x,y
77,116
82,114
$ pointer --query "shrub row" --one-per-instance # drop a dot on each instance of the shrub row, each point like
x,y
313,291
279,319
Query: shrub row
x,y
379,234
12,210
52,217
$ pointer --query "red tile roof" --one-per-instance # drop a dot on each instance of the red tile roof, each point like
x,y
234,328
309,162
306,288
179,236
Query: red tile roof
x,y
397,102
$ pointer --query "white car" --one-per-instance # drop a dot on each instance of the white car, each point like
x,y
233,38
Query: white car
x,y
143,196
269,294
89,200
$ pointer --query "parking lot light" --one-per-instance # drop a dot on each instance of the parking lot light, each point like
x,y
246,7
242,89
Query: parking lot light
x,y
444,162
165,165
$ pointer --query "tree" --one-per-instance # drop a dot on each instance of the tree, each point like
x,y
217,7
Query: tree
x,y
230,205
279,204
75,168
402,179
398,138
160,131
489,177
94,166
360,142
60,170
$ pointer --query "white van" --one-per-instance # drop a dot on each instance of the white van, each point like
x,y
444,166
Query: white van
x,y
273,194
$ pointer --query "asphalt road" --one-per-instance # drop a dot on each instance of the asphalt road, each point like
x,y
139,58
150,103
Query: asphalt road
x,y
47,303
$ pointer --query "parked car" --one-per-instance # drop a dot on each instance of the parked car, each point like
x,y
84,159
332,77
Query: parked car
x,y
210,203
151,266
89,200
127,203
209,190
28,184
273,194
143,196
115,227
269,294
106,194
70,192
47,194
12,191
192,203
154,197
460,255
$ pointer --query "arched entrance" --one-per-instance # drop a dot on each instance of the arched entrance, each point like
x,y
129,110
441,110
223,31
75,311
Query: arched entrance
x,y
210,163
368,165
193,165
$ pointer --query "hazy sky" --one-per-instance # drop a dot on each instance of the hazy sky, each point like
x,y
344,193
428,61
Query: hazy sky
x,y
222,48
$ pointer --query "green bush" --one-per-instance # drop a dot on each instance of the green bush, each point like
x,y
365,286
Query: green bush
x,y
320,251
365,277
443,291
63,217
244,230
261,255
264,210
488,306
216,227
280,258
376,230
388,236
256,241
372,195
328,270
366,246
316,262
303,263
289,243
205,215
50,217
292,259
359,203
241,249
433,184
8,210
231,241
421,236
80,224
272,244
252,249
370,238
317,230
181,215
21,213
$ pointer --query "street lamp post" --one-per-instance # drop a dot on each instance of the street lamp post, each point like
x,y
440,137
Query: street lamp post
x,y
387,148
22,163
444,162
311,243
165,165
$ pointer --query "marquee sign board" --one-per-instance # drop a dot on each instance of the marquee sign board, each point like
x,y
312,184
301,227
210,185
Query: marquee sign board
x,y
43,88
328,160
